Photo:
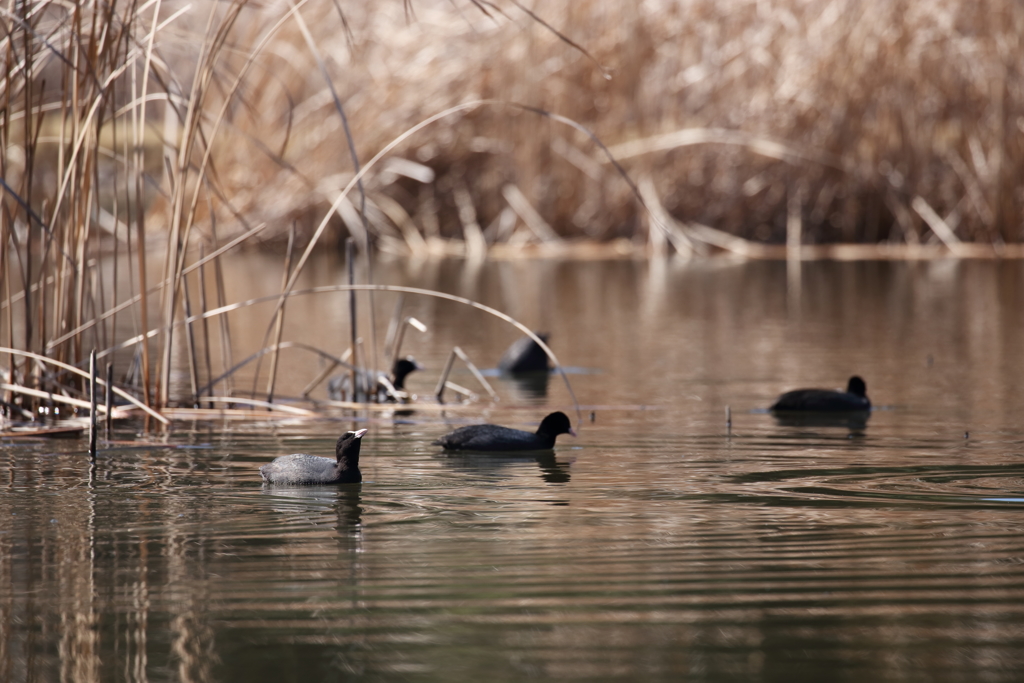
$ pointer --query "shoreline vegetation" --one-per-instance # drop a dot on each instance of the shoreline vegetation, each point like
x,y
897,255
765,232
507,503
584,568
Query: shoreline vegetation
x,y
826,129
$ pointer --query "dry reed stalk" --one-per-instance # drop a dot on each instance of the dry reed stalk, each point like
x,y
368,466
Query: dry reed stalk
x,y
203,308
393,326
225,330
400,338
353,336
93,389
442,381
291,410
109,398
476,373
43,360
279,318
190,346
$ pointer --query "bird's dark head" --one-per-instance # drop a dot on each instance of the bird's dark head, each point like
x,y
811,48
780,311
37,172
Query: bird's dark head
x,y
401,369
555,424
857,387
347,448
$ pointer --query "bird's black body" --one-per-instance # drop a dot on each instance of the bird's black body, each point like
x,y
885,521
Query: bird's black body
x,y
855,398
524,355
302,468
489,437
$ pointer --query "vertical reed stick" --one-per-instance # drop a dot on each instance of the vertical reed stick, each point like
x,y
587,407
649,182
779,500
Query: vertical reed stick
x,y
92,404
401,337
279,322
203,308
6,285
30,152
226,356
140,225
439,391
110,398
728,420
350,259
190,341
393,324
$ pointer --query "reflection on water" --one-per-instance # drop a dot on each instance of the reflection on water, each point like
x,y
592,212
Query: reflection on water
x,y
338,505
657,546
551,470
855,420
528,386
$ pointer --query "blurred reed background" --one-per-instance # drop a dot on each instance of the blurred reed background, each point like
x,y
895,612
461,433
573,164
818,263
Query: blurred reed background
x,y
176,127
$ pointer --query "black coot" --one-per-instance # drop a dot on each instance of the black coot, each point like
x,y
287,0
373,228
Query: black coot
x,y
524,355
826,400
338,387
495,438
302,468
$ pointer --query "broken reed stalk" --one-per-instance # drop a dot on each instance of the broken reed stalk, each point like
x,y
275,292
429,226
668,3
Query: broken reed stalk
x,y
320,377
190,342
476,373
443,381
226,355
109,398
353,337
6,284
439,391
93,388
393,325
203,307
279,318
401,337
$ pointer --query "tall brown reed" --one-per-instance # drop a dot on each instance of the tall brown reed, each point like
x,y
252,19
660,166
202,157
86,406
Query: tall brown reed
x,y
859,108
138,127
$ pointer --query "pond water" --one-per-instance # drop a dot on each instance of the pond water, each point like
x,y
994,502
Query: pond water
x,y
657,546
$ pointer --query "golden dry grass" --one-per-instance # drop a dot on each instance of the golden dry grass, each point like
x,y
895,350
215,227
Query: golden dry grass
x,y
743,125
739,112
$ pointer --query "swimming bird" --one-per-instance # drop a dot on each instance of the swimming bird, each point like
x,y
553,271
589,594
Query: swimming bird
x,y
338,387
489,437
826,400
302,468
524,355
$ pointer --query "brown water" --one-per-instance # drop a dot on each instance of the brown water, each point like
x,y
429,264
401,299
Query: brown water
x,y
654,547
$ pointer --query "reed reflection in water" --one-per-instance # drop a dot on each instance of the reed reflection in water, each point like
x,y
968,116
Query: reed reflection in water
x,y
653,547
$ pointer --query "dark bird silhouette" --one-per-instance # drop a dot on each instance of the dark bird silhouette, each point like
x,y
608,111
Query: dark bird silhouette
x,y
302,468
338,388
524,355
489,437
826,400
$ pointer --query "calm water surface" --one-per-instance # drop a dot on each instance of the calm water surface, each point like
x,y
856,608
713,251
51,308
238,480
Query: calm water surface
x,y
655,547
